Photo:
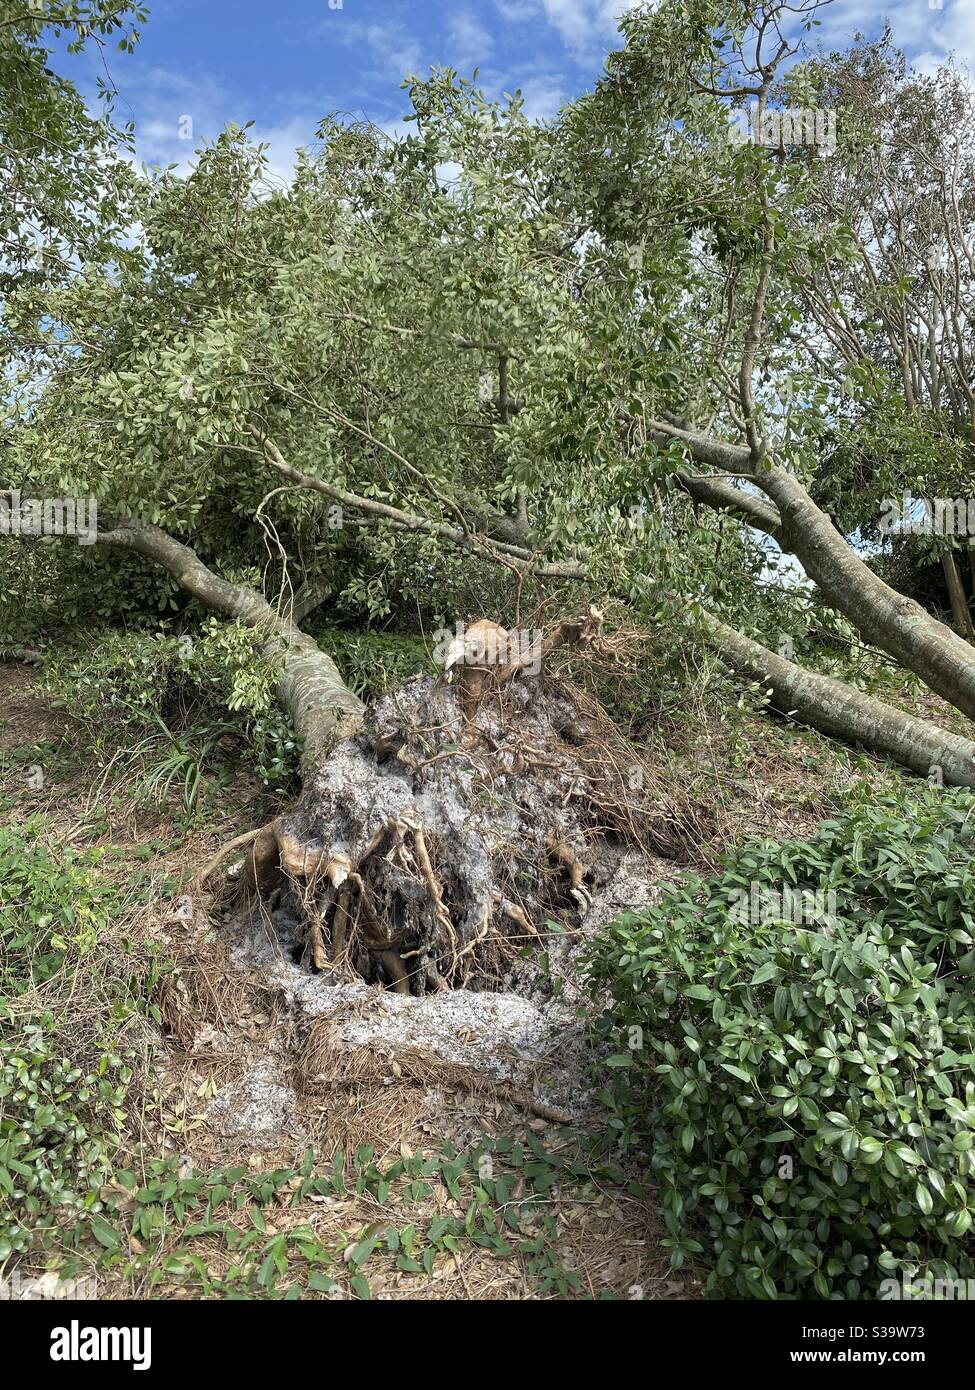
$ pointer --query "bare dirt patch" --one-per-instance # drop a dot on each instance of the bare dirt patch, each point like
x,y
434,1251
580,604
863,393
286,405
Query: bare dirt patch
x,y
26,714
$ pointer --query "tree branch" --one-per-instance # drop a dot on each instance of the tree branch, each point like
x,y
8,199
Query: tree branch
x,y
500,552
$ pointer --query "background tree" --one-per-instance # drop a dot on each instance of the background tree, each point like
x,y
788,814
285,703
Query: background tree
x,y
62,187
698,68
890,290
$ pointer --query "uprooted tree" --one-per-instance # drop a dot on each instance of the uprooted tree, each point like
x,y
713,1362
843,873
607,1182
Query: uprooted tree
x,y
504,367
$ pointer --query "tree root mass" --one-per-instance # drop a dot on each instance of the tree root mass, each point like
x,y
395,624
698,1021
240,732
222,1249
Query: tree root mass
x,y
436,845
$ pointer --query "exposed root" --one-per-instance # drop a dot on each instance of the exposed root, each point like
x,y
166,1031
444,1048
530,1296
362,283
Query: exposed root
x,y
433,887
315,943
262,874
321,1065
573,866
211,866
340,927
430,847
515,914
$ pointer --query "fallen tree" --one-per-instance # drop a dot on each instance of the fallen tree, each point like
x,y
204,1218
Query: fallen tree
x,y
370,395
441,832
884,618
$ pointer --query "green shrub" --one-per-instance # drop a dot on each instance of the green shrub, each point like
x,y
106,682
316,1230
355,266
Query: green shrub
x,y
58,1114
374,662
56,1135
172,699
52,588
48,907
804,1090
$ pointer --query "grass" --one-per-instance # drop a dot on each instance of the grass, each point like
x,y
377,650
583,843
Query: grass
x,y
485,1215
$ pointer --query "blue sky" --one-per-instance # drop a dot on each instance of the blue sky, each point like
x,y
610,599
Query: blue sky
x,y
286,63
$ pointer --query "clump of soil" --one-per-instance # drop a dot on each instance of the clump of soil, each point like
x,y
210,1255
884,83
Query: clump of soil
x,y
440,844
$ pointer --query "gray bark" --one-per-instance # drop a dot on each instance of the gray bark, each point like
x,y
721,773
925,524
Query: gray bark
x,y
960,614
885,618
838,709
310,686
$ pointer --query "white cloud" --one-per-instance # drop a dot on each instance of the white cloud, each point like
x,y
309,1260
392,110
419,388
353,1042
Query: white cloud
x,y
586,27
471,45
283,142
544,96
386,50
948,31
178,113
929,33
573,19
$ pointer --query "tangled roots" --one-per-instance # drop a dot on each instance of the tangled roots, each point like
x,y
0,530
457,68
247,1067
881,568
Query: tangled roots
x,y
435,846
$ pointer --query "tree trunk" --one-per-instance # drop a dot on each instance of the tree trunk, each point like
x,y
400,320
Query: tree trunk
x,y
310,687
960,613
837,709
883,617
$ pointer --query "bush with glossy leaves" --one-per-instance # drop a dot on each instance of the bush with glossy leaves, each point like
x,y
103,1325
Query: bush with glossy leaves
x,y
801,1083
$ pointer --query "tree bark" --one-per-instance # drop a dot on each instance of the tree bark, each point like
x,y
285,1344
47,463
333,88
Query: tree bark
x,y
839,710
885,618
310,686
960,613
